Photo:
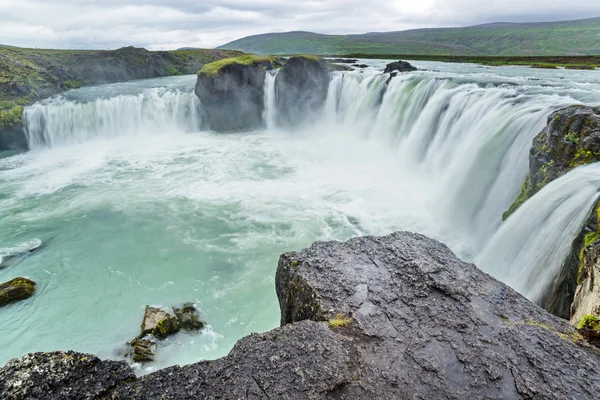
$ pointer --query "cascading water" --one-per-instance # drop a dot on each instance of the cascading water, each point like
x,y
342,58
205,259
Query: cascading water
x,y
529,249
152,215
58,121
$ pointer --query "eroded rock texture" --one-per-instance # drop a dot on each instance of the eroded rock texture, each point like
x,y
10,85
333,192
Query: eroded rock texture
x,y
394,317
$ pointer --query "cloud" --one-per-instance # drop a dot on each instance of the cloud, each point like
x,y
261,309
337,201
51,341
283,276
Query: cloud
x,y
157,24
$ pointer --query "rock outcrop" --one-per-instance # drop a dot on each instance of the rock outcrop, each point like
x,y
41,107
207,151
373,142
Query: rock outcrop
x,y
400,66
394,317
159,323
15,290
301,89
188,317
232,92
28,75
570,139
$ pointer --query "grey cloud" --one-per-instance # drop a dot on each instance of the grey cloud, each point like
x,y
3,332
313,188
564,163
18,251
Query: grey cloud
x,y
167,24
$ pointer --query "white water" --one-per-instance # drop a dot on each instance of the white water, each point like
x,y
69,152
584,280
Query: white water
x,y
142,207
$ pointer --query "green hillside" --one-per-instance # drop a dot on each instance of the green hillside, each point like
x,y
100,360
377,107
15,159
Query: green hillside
x,y
501,39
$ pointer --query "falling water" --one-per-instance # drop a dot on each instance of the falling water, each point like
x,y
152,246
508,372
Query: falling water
x,y
529,249
144,207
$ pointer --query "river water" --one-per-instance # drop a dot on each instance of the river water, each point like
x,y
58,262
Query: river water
x,y
138,204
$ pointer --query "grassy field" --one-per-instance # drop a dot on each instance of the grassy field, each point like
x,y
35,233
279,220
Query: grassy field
x,y
537,39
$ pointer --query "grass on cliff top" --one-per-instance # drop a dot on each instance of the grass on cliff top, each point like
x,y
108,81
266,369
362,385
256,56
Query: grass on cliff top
x,y
214,68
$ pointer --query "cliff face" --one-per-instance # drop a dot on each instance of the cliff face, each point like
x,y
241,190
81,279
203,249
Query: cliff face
x,y
571,139
232,92
29,75
391,317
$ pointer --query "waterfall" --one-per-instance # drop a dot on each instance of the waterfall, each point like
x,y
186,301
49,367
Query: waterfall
x,y
270,112
530,247
464,142
59,121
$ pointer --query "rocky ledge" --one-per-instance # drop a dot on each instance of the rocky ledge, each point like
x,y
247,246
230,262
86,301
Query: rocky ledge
x,y
392,317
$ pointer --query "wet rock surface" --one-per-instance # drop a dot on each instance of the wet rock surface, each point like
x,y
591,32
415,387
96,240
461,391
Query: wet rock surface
x,y
418,323
570,139
400,66
159,323
301,89
233,99
15,290
61,375
188,317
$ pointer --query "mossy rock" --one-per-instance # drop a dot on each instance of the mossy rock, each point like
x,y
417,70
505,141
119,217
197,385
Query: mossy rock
x,y
570,139
158,323
16,290
143,350
215,69
188,317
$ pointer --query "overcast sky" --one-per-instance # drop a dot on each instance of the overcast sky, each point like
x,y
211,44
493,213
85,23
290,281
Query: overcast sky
x,y
170,24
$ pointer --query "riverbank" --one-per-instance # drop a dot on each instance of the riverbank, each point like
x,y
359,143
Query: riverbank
x,y
30,75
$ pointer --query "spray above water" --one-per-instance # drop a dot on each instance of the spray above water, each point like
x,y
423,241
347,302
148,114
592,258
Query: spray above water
x,y
158,216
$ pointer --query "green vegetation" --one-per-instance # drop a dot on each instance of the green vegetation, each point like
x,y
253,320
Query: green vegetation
x,y
340,321
214,68
28,75
524,195
589,322
572,137
525,39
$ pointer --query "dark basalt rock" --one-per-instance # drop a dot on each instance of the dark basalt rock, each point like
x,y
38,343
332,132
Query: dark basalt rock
x,y
16,290
61,375
301,89
394,317
188,317
400,66
233,99
570,139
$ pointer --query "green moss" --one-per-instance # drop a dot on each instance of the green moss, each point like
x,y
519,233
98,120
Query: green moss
x,y
11,117
525,193
572,137
214,68
589,322
340,321
166,327
72,84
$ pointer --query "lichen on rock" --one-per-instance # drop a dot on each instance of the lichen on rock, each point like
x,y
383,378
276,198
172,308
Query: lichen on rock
x,y
15,290
158,323
188,317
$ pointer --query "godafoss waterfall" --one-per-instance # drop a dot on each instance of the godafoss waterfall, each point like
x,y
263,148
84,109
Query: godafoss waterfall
x,y
140,200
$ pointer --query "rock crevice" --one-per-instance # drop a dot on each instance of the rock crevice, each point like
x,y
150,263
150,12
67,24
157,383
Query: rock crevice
x,y
390,317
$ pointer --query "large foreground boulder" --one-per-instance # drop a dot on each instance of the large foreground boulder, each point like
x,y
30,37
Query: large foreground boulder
x,y
570,139
301,89
394,317
232,92
15,290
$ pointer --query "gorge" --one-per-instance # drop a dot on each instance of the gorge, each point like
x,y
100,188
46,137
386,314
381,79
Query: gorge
x,y
135,189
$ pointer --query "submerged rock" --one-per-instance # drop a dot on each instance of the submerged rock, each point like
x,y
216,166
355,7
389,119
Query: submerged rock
x,y
400,66
158,323
143,350
394,317
301,88
188,317
232,92
15,290
570,139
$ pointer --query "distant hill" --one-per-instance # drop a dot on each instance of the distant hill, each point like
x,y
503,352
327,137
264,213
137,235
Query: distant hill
x,y
580,37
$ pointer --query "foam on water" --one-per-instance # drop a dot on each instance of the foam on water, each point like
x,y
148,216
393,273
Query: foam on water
x,y
145,208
